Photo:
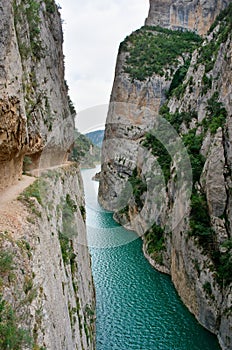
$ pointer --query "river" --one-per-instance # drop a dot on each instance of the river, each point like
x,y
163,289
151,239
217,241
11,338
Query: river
x,y
137,307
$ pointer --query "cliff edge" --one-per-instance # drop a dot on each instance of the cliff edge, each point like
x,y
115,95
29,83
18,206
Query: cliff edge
x,y
196,15
47,297
166,156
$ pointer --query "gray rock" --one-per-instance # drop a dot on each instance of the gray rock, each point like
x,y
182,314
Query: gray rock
x,y
191,267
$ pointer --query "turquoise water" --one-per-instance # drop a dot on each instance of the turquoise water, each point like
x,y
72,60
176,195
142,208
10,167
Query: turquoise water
x,y
137,307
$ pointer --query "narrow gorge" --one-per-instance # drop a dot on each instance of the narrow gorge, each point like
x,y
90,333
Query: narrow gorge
x,y
47,296
165,174
166,157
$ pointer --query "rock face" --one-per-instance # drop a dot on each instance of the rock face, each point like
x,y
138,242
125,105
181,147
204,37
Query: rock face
x,y
197,15
47,296
33,96
52,288
180,202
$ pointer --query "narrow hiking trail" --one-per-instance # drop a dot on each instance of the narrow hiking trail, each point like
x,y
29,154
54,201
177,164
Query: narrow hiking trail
x,y
11,193
12,211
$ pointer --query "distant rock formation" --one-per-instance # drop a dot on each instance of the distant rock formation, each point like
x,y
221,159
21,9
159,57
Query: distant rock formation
x,y
196,15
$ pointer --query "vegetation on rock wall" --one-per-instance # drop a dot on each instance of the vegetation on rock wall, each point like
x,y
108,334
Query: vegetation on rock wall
x,y
96,137
209,52
155,243
154,49
29,10
12,337
50,6
84,151
12,315
159,151
138,187
216,114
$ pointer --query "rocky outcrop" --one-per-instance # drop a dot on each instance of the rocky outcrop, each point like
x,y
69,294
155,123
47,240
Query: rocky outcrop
x,y
50,288
147,177
33,93
133,105
197,15
47,298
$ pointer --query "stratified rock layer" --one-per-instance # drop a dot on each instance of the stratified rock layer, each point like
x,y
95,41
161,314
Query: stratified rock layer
x,y
34,109
48,286
146,199
52,290
197,15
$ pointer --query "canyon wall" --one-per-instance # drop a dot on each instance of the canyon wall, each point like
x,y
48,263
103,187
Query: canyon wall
x,y
34,102
197,15
49,285
47,297
166,156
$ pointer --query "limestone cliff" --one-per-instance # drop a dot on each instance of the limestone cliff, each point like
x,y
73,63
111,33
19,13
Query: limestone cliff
x,y
33,99
49,286
197,15
47,296
166,164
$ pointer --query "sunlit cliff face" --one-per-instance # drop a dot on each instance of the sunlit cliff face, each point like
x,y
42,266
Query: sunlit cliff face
x,y
197,15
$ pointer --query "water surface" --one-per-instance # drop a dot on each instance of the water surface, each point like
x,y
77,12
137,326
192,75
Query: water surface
x,y
137,307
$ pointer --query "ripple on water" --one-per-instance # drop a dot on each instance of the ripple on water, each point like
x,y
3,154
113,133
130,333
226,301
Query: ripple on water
x,y
137,307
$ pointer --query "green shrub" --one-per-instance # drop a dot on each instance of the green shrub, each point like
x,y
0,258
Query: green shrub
x,y
209,52
69,207
207,288
152,49
178,79
37,190
193,143
216,114
12,337
70,203
159,151
50,6
223,263
154,239
6,262
138,187
207,83
83,211
200,224
66,249
71,106
224,20
32,12
208,55
176,119
124,211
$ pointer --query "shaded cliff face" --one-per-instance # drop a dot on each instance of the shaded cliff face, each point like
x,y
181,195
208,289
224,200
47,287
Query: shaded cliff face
x,y
50,287
188,237
33,96
196,15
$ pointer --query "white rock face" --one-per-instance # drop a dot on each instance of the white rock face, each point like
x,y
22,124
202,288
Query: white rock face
x,y
214,179
197,15
51,288
35,114
53,284
133,111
